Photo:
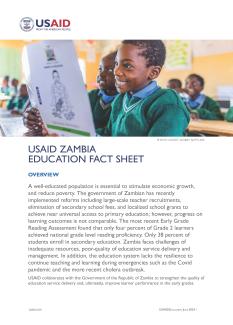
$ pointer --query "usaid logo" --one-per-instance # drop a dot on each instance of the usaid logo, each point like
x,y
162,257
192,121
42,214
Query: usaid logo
x,y
26,24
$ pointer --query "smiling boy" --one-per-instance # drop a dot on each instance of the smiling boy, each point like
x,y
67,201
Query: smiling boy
x,y
143,108
200,105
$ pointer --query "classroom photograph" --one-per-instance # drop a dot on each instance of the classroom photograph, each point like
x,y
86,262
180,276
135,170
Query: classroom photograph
x,y
156,88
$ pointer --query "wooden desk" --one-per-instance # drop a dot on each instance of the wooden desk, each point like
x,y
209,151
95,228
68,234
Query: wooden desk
x,y
11,126
221,128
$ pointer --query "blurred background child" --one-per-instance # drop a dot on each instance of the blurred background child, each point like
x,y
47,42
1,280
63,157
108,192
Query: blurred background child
x,y
176,84
200,105
17,104
5,88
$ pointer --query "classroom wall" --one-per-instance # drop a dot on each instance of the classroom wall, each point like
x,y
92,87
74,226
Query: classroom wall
x,y
10,58
12,44
217,70
91,68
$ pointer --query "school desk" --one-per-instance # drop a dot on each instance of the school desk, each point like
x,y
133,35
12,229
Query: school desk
x,y
221,128
11,125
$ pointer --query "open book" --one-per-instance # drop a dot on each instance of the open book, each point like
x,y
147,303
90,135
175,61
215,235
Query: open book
x,y
56,87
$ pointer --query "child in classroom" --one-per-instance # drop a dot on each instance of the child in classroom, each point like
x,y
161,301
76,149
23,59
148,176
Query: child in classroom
x,y
176,84
17,104
100,100
200,105
14,87
143,108
5,88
